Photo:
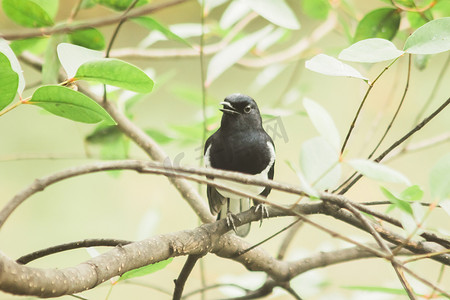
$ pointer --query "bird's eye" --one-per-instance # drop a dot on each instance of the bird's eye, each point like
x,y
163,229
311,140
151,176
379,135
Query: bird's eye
x,y
247,109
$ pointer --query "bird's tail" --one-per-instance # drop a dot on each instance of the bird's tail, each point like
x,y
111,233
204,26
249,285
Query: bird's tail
x,y
237,205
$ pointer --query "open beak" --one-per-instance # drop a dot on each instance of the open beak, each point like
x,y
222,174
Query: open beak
x,y
228,108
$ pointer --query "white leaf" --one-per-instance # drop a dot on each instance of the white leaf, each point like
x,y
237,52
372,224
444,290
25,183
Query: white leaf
x,y
73,56
277,12
409,223
232,53
378,171
371,51
266,76
148,224
440,178
184,30
445,204
15,65
323,122
319,163
306,187
270,39
234,12
328,65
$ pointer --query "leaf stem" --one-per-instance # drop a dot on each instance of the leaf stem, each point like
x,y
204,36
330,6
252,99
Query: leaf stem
x,y
371,84
408,76
11,107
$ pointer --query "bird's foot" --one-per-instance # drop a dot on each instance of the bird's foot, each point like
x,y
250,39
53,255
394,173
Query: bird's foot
x,y
231,219
264,212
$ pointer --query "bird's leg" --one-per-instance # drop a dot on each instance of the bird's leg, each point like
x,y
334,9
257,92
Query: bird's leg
x,y
264,210
231,217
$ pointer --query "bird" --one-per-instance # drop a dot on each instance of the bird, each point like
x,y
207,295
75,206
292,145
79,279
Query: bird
x,y
240,144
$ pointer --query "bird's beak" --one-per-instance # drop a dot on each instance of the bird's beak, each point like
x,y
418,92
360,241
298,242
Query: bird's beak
x,y
228,108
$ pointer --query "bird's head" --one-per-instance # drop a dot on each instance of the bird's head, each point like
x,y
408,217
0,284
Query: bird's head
x,y
240,110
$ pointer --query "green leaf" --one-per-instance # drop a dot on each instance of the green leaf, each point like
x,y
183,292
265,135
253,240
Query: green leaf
x,y
152,24
9,82
73,56
142,271
323,122
431,38
117,73
381,23
317,9
228,56
90,38
119,4
27,13
440,178
50,6
370,51
319,164
328,65
158,136
401,204
412,193
277,12
415,19
104,133
441,9
15,65
379,289
51,65
87,4
69,104
34,45
378,171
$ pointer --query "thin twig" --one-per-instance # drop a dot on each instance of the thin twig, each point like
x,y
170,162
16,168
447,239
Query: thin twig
x,y
70,246
397,111
184,274
400,141
371,84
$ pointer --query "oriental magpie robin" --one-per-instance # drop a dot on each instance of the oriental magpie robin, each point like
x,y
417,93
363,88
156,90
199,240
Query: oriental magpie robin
x,y
242,145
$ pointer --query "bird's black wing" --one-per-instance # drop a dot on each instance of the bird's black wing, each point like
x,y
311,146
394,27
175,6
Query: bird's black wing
x,y
215,200
267,190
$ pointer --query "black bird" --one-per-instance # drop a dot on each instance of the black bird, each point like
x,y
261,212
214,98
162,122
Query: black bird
x,y
242,145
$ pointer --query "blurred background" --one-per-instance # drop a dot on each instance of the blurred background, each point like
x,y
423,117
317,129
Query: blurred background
x,y
131,206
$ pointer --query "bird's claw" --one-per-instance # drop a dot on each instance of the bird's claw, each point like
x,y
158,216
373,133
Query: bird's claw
x,y
230,220
264,212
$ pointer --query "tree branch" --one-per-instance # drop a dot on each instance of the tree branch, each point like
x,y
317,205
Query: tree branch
x,y
97,22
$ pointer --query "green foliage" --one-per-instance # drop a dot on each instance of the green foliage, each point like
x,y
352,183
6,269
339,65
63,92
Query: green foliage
x,y
397,201
69,104
431,38
9,82
15,65
33,45
379,23
27,13
317,9
139,272
152,24
116,73
90,38
119,4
